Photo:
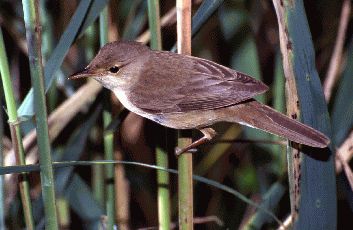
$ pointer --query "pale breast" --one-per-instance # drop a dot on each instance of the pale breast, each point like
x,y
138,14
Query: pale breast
x,y
193,119
124,99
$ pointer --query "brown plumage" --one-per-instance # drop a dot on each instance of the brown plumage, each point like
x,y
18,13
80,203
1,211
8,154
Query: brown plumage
x,y
185,92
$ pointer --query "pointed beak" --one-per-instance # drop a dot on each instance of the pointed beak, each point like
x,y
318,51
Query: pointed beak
x,y
87,72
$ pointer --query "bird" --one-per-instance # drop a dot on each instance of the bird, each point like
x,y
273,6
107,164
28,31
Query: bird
x,y
186,92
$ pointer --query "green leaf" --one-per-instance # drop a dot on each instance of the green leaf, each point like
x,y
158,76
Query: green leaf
x,y
207,8
269,202
82,201
231,20
135,21
74,150
316,195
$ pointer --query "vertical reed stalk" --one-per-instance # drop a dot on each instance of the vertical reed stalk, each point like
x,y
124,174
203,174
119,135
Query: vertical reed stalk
x,y
32,22
109,136
15,133
164,218
185,160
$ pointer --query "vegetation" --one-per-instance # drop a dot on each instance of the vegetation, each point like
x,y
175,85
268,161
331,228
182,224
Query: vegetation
x,y
248,184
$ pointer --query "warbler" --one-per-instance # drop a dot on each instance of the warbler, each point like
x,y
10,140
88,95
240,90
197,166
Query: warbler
x,y
185,92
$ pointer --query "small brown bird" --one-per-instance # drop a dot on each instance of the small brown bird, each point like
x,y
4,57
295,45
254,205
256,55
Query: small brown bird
x,y
184,92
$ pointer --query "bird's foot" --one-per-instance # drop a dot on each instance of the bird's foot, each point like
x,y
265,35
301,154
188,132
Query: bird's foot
x,y
208,133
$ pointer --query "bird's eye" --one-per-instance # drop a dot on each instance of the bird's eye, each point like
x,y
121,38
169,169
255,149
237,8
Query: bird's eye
x,y
114,69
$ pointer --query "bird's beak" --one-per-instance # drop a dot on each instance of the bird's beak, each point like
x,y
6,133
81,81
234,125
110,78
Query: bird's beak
x,y
87,72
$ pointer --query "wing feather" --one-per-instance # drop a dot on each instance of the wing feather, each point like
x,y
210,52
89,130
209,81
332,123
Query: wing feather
x,y
199,84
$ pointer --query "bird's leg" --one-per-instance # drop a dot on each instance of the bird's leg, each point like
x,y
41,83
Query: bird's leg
x,y
208,133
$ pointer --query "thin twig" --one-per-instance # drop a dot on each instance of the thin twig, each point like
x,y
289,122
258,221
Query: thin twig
x,y
286,224
346,168
336,59
345,151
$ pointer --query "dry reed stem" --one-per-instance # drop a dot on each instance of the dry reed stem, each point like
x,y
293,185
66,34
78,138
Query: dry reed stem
x,y
336,60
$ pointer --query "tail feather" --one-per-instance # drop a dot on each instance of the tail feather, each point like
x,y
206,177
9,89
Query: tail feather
x,y
265,118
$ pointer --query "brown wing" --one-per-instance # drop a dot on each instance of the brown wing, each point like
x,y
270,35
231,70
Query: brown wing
x,y
177,83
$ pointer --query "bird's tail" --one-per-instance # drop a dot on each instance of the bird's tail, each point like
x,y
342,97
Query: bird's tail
x,y
265,118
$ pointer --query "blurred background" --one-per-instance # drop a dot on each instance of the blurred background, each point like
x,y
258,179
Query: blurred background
x,y
240,34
